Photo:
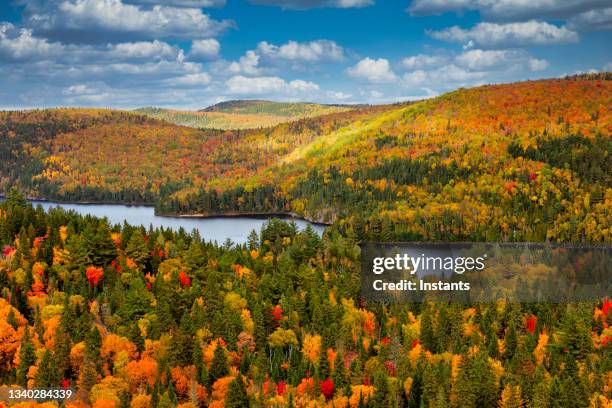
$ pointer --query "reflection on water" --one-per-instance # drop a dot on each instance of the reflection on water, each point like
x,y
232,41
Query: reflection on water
x,y
212,229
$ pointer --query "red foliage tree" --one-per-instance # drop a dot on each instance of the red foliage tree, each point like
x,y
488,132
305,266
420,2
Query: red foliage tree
x,y
530,323
281,387
94,275
327,388
184,279
606,307
277,313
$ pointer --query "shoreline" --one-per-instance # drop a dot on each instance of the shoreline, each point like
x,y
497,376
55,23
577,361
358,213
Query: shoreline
x,y
261,215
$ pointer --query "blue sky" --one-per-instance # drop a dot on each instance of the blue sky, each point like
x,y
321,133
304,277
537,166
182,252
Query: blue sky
x,y
188,54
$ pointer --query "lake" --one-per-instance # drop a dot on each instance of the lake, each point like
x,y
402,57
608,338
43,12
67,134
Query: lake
x,y
212,229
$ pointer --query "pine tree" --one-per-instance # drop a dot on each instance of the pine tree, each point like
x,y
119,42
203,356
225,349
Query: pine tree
x,y
137,249
10,318
380,398
27,358
236,394
46,375
198,361
93,342
218,366
476,382
510,342
79,254
428,338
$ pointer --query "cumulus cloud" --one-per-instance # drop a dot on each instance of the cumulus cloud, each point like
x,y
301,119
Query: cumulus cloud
x,y
205,49
20,45
493,35
508,9
182,3
145,50
112,20
247,64
535,64
338,95
242,85
483,59
593,20
201,78
371,70
423,61
313,51
309,4
447,74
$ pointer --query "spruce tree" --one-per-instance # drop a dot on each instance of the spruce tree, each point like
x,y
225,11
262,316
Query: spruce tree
x,y
218,366
510,342
27,358
236,394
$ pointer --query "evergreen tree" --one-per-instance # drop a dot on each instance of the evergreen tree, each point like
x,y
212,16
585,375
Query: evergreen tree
x,y
236,394
27,358
218,366
46,375
427,332
510,342
137,249
476,382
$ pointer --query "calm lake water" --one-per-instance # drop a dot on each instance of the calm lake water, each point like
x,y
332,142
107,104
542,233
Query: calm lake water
x,y
212,229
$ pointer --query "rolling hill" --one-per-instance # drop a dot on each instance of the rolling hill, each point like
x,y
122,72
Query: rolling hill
x,y
242,114
525,161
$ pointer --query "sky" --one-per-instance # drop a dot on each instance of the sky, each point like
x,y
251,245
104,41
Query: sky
x,y
189,54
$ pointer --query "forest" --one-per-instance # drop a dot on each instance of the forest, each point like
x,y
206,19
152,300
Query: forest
x,y
276,322
279,321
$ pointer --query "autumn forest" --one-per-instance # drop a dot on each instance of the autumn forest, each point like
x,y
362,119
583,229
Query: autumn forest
x,y
131,316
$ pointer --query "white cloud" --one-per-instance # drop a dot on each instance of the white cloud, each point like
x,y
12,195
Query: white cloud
x,y
508,35
338,95
313,51
484,59
535,64
79,89
247,64
308,4
375,71
608,66
182,3
508,9
20,45
201,78
376,94
205,49
112,20
423,61
593,20
300,85
447,74
149,50
242,85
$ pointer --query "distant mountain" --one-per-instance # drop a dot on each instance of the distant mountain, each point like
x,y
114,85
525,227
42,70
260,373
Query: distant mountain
x,y
262,107
242,114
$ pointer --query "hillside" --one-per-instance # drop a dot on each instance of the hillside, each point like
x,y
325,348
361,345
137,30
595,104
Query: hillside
x,y
242,114
114,156
261,107
525,161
